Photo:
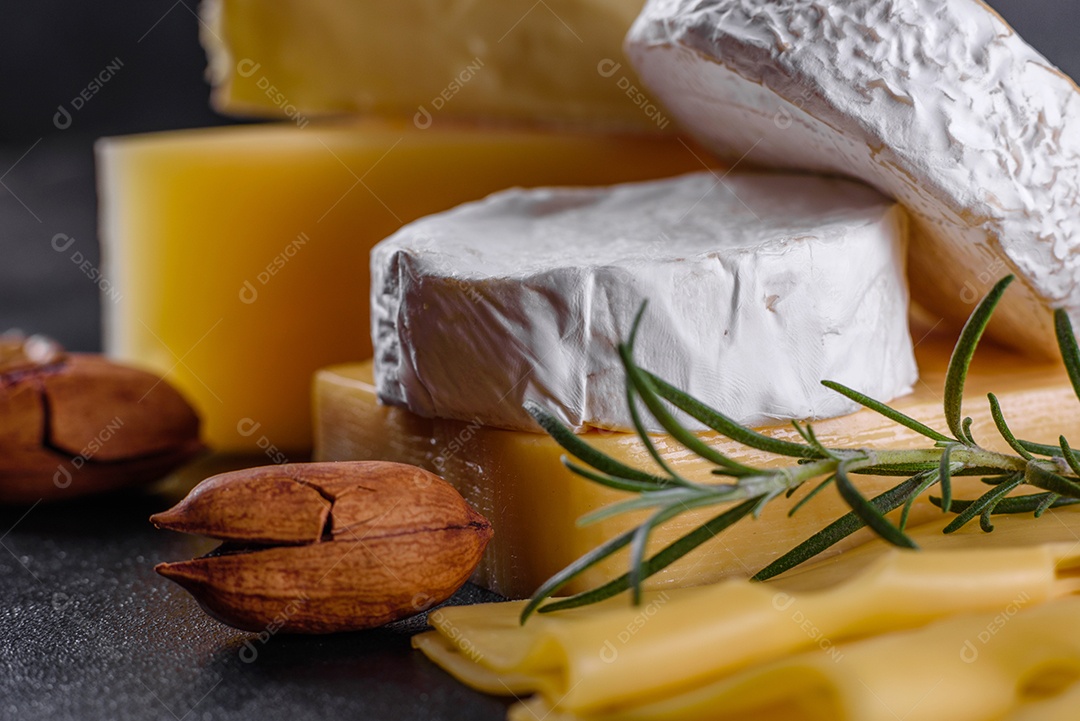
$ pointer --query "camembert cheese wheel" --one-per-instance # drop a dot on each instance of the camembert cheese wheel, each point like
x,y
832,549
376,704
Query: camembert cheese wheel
x,y
759,286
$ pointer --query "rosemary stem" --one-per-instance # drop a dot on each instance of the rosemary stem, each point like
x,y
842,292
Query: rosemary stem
x,y
791,477
966,456
774,482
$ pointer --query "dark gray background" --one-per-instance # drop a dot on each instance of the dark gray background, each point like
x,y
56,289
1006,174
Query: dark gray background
x,y
49,51
87,630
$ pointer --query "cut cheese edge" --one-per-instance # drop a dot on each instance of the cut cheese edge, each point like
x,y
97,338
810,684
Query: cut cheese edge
x,y
558,61
759,287
238,256
938,104
517,480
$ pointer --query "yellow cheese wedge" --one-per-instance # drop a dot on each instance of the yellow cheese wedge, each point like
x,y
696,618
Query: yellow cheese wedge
x,y
519,483
557,61
615,654
238,257
1017,662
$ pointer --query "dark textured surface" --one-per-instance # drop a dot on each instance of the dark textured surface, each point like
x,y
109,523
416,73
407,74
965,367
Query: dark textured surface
x,y
87,630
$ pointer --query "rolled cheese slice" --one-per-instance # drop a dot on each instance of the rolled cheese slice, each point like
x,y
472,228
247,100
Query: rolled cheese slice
x,y
616,656
1016,663
759,287
938,103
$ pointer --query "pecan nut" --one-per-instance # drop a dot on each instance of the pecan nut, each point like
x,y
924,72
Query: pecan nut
x,y
325,547
71,425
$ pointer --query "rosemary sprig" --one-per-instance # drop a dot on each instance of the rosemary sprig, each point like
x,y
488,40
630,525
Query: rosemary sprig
x,y
1054,470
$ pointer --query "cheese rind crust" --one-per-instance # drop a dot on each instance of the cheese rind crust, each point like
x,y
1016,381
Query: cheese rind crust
x,y
938,104
758,288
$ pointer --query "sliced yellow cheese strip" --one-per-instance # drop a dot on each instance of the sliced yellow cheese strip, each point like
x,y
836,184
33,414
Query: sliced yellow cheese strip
x,y
614,654
238,256
558,61
971,667
1060,527
518,481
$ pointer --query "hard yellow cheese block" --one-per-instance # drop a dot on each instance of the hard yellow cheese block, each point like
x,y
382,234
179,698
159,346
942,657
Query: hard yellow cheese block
x,y
558,61
519,483
238,257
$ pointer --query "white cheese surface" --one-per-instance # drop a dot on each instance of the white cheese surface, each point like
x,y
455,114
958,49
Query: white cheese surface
x,y
759,286
937,103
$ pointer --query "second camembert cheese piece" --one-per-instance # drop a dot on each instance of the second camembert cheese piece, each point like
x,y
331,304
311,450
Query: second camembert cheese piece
x,y
759,287
937,103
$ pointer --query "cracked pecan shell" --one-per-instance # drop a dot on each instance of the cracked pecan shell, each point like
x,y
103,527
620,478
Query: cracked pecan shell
x,y
325,547
73,425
